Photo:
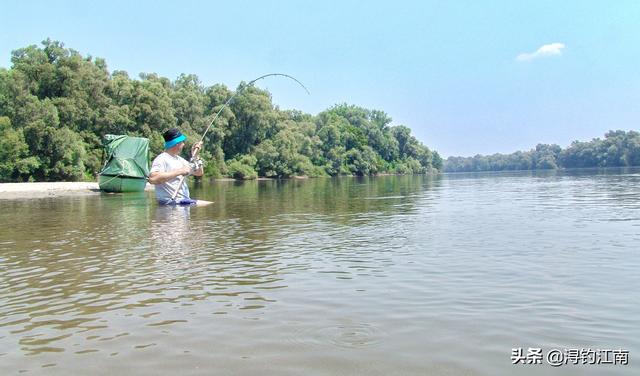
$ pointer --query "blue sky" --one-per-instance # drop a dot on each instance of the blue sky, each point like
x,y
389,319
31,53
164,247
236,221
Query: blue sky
x,y
467,77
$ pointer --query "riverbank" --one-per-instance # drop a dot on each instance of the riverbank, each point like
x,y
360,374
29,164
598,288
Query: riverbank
x,y
12,191
49,189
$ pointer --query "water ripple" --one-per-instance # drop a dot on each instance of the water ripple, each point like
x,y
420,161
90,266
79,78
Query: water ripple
x,y
393,273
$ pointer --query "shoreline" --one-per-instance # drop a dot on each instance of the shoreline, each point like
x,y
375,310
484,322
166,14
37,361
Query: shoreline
x,y
12,191
47,189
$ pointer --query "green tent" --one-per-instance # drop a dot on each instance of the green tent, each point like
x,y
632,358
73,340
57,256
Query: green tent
x,y
126,165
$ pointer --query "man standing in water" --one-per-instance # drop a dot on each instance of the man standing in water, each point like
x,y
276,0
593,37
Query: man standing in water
x,y
169,166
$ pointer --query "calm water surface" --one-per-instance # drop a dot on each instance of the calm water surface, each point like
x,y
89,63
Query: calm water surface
x,y
372,276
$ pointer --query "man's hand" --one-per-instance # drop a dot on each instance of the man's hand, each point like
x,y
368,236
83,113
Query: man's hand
x,y
186,170
195,149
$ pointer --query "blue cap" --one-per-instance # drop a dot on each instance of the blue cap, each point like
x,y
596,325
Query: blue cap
x,y
174,142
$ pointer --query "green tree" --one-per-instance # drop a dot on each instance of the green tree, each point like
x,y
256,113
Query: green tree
x,y
56,106
15,162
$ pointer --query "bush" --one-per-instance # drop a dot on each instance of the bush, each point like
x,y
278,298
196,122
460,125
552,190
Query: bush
x,y
243,167
402,169
317,172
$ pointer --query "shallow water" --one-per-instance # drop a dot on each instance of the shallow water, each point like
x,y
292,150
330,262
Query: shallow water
x,y
359,276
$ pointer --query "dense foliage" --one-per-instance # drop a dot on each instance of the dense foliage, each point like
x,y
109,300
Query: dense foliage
x,y
617,149
56,105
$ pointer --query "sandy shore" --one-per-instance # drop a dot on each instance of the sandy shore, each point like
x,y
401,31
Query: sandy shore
x,y
38,190
14,191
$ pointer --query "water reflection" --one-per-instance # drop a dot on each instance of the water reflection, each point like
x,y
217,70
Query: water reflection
x,y
340,199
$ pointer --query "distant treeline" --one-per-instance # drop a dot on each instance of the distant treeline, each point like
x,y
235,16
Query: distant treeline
x,y
617,149
56,105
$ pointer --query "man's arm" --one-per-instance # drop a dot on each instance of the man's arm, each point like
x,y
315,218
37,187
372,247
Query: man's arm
x,y
158,177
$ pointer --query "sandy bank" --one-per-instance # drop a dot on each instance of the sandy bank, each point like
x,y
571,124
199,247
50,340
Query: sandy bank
x,y
13,191
38,190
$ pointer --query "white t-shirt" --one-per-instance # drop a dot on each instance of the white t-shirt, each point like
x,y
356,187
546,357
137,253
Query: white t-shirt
x,y
166,162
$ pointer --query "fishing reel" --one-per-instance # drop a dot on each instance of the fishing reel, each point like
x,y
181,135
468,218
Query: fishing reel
x,y
195,165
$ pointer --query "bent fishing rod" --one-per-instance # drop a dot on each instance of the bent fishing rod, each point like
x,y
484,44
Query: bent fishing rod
x,y
196,151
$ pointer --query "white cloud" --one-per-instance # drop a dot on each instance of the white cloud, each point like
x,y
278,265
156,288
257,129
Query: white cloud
x,y
546,50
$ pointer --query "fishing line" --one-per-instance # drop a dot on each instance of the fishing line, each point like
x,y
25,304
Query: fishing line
x,y
250,83
225,105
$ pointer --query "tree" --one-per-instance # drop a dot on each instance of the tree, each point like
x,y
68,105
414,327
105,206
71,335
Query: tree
x,y
254,121
56,106
15,162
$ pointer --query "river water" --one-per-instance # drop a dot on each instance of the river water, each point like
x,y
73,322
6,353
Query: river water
x,y
393,275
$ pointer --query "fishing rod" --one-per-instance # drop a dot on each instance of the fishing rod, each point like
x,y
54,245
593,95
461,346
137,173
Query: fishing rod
x,y
196,151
